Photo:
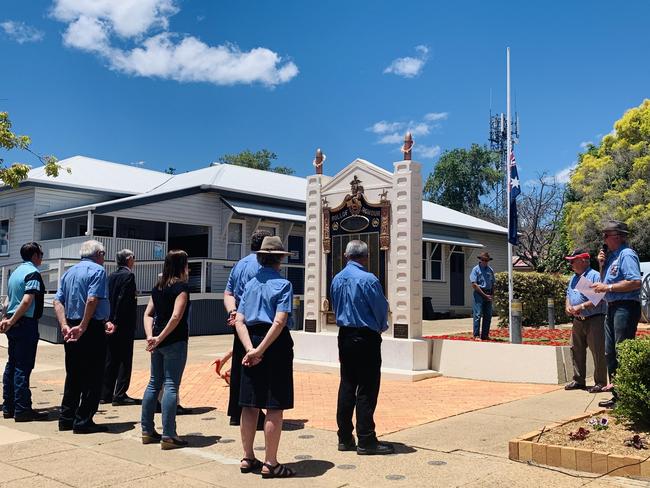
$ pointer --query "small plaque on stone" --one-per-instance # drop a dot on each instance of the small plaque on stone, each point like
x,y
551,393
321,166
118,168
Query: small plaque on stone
x,y
401,331
310,325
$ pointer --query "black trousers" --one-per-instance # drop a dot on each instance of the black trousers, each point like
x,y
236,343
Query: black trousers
x,y
238,353
360,358
84,372
119,362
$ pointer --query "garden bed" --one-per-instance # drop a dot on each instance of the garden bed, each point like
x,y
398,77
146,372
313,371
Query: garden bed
x,y
534,336
601,451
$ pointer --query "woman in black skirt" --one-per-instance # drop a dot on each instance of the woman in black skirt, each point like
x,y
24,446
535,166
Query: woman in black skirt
x,y
267,368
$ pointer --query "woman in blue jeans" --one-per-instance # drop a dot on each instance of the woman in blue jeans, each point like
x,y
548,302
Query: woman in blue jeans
x,y
165,323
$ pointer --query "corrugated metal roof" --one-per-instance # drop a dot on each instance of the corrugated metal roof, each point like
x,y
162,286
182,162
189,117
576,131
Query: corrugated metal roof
x,y
95,174
221,177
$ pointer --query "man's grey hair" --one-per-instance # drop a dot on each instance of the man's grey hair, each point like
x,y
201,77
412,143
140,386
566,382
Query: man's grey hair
x,y
122,257
356,249
91,249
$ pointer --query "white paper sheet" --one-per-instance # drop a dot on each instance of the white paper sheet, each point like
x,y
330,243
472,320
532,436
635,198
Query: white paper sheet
x,y
584,287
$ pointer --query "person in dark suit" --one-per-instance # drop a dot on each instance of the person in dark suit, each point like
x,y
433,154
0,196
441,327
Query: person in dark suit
x,y
119,356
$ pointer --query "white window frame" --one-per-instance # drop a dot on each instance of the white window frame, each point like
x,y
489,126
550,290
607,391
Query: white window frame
x,y
243,237
430,248
4,254
274,225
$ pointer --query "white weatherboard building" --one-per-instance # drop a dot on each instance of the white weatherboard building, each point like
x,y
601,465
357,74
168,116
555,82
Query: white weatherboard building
x,y
211,213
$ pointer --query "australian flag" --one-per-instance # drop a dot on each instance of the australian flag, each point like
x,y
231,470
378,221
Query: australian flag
x,y
515,190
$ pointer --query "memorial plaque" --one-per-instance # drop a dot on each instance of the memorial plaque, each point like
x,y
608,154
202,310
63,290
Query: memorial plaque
x,y
310,325
401,331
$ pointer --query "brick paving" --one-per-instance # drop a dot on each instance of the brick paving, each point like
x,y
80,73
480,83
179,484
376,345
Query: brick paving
x,y
401,404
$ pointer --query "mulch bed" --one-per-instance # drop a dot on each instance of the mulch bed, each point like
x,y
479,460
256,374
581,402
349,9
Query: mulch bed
x,y
537,336
610,440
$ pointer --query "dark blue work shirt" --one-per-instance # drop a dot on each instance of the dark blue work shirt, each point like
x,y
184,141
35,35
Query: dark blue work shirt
x,y
576,298
358,299
84,280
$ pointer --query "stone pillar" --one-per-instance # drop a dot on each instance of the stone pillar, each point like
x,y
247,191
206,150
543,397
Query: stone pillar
x,y
405,277
313,255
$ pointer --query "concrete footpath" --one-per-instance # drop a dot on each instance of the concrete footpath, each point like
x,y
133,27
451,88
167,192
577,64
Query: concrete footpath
x,y
448,432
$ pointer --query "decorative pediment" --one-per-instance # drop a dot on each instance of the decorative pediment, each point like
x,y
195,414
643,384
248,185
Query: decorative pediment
x,y
374,179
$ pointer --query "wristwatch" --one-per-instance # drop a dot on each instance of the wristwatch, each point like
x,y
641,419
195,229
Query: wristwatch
x,y
609,288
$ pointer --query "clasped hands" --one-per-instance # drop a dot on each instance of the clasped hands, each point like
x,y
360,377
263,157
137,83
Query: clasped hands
x,y
152,343
72,334
252,357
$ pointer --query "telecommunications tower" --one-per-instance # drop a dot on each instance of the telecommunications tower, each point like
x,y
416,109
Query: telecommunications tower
x,y
499,144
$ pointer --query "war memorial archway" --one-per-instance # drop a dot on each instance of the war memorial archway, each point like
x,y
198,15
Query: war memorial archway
x,y
384,209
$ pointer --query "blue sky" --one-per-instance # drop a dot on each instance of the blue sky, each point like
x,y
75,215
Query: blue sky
x,y
178,83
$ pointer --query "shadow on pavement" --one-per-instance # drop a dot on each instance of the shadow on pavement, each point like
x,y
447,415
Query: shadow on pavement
x,y
310,468
198,440
120,427
294,424
198,410
401,448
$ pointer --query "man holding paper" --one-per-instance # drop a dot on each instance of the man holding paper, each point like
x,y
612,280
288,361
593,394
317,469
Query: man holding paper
x,y
621,281
588,311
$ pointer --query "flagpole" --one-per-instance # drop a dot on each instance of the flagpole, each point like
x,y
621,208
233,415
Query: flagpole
x,y
508,162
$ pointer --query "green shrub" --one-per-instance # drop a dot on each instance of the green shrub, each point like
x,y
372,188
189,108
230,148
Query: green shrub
x,y
633,381
533,289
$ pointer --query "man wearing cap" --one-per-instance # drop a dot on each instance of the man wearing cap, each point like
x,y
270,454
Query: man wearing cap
x,y
482,278
621,283
588,326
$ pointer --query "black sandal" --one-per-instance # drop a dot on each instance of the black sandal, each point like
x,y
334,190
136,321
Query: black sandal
x,y
253,465
278,471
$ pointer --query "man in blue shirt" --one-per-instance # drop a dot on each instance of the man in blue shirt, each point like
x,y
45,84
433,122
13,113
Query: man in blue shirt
x,y
240,274
361,311
588,325
24,308
621,283
82,309
482,279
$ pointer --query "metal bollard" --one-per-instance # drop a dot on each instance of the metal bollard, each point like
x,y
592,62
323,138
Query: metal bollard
x,y
551,313
515,327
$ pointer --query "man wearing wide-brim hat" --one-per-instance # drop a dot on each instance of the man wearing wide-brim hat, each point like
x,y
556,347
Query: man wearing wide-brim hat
x,y
482,279
588,329
621,283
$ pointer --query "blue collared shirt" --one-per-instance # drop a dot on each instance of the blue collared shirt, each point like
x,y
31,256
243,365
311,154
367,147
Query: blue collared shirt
x,y
240,274
358,299
622,264
26,279
266,294
483,277
85,279
576,298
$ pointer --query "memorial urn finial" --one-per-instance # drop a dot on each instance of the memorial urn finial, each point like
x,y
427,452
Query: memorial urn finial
x,y
408,146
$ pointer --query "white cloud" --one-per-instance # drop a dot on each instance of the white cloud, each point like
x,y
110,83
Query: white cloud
x,y
382,127
21,32
427,152
586,144
436,116
157,52
409,67
390,132
138,163
418,129
564,175
393,138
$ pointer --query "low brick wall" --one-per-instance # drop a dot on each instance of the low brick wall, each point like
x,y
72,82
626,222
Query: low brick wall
x,y
526,449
